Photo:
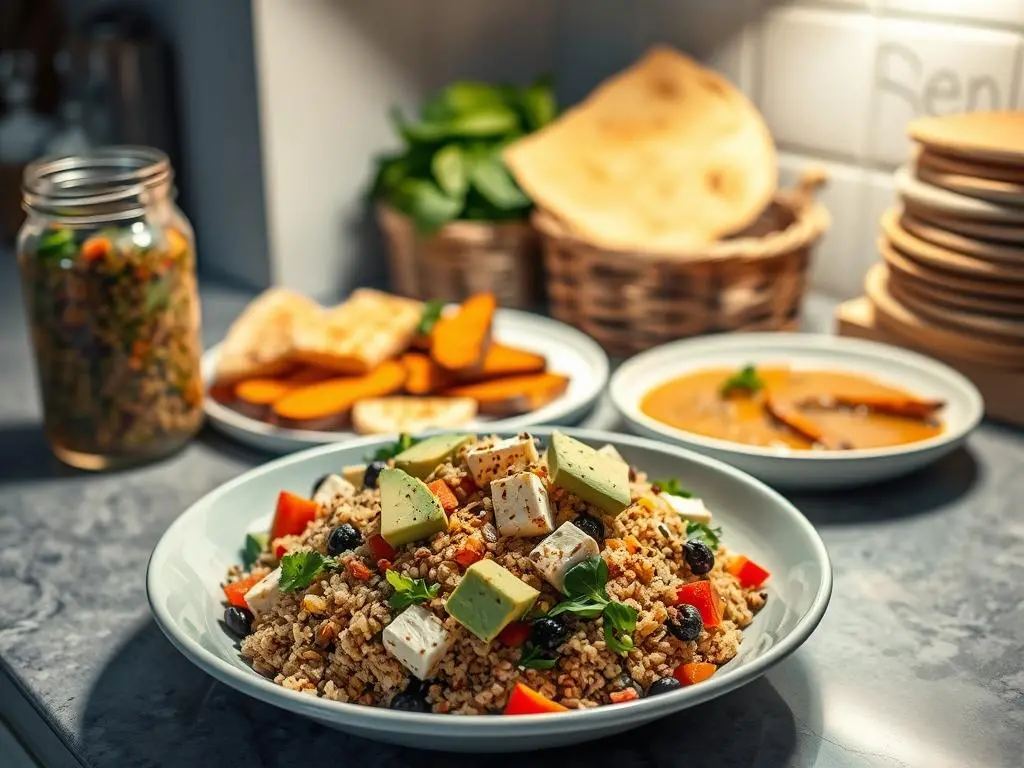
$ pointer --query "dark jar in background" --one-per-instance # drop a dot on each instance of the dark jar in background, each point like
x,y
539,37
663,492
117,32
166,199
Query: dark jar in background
x,y
108,276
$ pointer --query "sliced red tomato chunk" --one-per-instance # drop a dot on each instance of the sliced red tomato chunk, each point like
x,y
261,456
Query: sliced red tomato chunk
x,y
526,701
235,591
380,547
292,515
702,596
515,634
749,573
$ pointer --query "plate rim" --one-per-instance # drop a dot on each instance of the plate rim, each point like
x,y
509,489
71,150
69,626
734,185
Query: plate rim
x,y
631,412
235,423
379,719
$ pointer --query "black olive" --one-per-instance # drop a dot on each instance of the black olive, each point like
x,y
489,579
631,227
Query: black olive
x,y
342,539
373,470
663,685
317,484
410,702
549,634
699,556
685,622
238,620
591,526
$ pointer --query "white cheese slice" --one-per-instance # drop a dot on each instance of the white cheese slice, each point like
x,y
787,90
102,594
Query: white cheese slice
x,y
521,506
418,639
688,509
264,592
332,486
566,547
489,463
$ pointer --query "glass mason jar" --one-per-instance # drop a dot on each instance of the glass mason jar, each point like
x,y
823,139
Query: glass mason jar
x,y
109,281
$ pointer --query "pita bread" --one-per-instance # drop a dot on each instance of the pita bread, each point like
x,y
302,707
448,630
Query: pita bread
x,y
411,414
663,156
259,342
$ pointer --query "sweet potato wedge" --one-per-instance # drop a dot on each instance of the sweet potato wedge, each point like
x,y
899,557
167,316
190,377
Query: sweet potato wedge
x,y
331,400
790,417
459,340
514,394
502,360
893,405
423,376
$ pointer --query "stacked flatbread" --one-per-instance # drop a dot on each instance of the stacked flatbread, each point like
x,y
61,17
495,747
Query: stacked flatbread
x,y
664,156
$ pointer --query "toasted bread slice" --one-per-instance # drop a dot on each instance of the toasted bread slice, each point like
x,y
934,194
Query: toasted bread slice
x,y
360,334
411,414
259,342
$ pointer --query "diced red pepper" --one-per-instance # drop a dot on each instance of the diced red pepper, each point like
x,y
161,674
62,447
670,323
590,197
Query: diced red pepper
x,y
468,485
749,573
444,494
292,516
694,672
280,551
702,596
515,634
526,701
235,591
472,550
383,565
380,547
96,248
359,570
628,694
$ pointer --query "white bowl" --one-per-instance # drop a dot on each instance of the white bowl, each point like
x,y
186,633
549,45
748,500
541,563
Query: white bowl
x,y
804,470
190,560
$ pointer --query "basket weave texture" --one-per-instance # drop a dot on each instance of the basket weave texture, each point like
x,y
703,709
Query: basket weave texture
x,y
630,301
463,258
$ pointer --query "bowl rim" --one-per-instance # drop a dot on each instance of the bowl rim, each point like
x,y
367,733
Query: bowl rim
x,y
369,718
629,408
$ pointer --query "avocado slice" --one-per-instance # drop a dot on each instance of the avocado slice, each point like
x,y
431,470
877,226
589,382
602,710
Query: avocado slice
x,y
596,478
408,510
489,598
421,459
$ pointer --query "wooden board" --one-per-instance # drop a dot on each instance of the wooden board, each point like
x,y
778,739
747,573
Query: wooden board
x,y
1005,233
954,241
944,202
1001,388
893,315
938,161
961,300
950,281
986,189
996,136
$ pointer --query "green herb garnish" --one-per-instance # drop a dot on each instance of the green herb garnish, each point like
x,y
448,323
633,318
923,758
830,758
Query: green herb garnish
x,y
409,591
673,486
386,452
57,244
431,314
255,545
585,586
534,658
746,380
299,569
707,534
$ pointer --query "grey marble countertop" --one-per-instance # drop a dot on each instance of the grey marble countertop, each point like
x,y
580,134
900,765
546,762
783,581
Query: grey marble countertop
x,y
918,662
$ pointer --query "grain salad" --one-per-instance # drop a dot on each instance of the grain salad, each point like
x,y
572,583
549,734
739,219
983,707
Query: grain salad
x,y
466,575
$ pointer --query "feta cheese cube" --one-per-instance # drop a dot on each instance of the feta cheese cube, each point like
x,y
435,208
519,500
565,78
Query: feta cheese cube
x,y
688,509
332,486
494,461
263,593
521,505
566,547
418,639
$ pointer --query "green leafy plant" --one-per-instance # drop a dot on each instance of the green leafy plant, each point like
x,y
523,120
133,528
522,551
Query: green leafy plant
x,y
409,591
585,586
255,545
451,166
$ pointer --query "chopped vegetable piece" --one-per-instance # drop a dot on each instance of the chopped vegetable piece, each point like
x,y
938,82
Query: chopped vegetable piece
x,y
408,510
515,634
694,672
235,591
423,376
489,598
749,573
333,398
746,381
459,341
409,591
526,701
292,515
380,547
255,545
796,422
359,569
894,405
444,494
701,532
620,697
702,596
472,550
673,486
299,569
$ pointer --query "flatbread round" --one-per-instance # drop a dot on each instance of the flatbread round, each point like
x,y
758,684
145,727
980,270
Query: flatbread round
x,y
664,156
992,136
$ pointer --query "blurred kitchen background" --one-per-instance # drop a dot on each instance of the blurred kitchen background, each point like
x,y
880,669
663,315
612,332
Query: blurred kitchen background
x,y
272,109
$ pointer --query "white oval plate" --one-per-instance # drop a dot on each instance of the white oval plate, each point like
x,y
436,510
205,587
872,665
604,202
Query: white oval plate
x,y
568,351
805,470
190,561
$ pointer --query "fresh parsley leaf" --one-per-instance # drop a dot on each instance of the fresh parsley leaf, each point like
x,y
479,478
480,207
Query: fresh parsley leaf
x,y
583,608
588,579
619,624
390,451
585,587
299,569
534,658
673,486
431,314
707,534
746,380
616,641
255,544
409,591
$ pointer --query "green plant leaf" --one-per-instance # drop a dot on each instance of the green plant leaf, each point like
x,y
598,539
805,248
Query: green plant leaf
x,y
619,624
431,314
449,169
588,579
496,120
56,244
299,569
491,179
673,486
537,102
533,657
391,450
701,532
462,98
409,591
255,544
581,608
429,207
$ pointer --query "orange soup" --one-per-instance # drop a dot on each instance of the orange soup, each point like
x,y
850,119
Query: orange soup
x,y
800,409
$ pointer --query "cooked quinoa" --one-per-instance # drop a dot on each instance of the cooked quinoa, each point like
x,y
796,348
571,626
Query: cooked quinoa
x,y
325,640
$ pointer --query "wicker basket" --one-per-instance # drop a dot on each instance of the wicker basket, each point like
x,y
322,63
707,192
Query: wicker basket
x,y
463,258
631,301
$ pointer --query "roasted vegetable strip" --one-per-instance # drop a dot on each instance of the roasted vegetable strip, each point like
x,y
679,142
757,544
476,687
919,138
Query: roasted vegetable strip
x,y
908,407
790,417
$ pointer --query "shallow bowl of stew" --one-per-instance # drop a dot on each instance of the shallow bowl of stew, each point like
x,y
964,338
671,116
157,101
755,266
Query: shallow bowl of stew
x,y
799,411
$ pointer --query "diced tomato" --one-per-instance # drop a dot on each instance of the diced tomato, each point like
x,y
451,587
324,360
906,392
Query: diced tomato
x,y
235,591
280,551
472,549
444,494
222,393
383,565
629,694
702,596
468,485
292,516
694,672
96,248
515,634
359,570
749,573
380,547
526,701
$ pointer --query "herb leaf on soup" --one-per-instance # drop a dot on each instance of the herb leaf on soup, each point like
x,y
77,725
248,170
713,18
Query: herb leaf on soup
x,y
745,380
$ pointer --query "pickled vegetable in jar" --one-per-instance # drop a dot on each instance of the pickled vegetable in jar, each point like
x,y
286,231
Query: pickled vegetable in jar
x,y
108,274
